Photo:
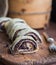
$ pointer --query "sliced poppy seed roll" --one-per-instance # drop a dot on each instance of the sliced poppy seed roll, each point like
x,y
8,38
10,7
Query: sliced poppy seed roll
x,y
24,44
24,38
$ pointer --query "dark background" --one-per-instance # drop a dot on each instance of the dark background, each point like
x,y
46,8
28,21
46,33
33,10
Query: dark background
x,y
53,13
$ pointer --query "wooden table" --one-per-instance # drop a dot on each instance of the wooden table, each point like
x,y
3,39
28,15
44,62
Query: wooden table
x,y
42,57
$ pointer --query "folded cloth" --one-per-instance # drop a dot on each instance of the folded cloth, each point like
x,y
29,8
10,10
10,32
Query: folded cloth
x,y
15,22
30,32
17,27
24,38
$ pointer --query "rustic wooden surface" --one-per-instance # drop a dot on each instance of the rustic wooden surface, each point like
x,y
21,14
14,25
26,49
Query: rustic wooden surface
x,y
42,57
37,20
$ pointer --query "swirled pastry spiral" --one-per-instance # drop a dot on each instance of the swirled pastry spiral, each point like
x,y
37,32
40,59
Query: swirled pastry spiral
x,y
24,38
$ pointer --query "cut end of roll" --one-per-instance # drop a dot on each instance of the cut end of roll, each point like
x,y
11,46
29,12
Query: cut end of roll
x,y
24,45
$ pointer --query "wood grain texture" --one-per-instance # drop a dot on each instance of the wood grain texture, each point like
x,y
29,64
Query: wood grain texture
x,y
41,11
